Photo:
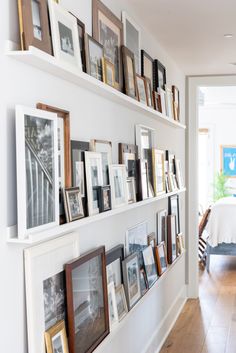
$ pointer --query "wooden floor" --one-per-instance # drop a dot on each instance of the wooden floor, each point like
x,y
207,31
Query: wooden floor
x,y
208,325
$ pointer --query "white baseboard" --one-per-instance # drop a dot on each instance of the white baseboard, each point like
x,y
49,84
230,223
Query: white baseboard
x,y
160,335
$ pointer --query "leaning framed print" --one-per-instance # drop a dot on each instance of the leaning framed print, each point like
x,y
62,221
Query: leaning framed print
x,y
87,301
132,279
94,53
37,170
73,204
114,258
128,155
136,238
46,286
65,36
158,160
78,149
121,302
162,93
108,31
131,190
34,25
228,158
131,89
112,306
94,178
169,105
174,209
104,198
81,34
145,140
108,70
150,265
159,75
161,258
56,338
132,38
171,239
142,89
161,226
149,92
147,66
119,193
105,148
176,103
157,101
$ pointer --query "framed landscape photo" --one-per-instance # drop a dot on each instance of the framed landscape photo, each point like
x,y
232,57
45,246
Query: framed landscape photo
x,y
65,36
176,103
150,265
73,204
161,219
37,170
147,66
161,258
158,159
121,302
119,194
105,148
129,73
87,301
113,313
34,25
108,31
171,239
45,286
104,198
159,75
132,279
142,89
94,53
56,339
132,38
114,258
108,73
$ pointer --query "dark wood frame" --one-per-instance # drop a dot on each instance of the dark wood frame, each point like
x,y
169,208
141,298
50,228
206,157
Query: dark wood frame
x,y
170,255
118,252
157,65
87,54
65,115
125,54
69,267
98,6
145,88
82,50
175,198
66,204
100,191
157,101
176,106
145,54
157,256
26,26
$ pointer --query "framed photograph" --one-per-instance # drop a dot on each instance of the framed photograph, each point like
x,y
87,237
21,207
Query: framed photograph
x,y
129,73
132,38
159,75
171,239
34,25
145,140
108,31
114,258
176,103
151,240
37,170
65,36
157,101
145,187
94,178
73,204
228,155
56,339
142,89
121,302
147,67
108,72
119,194
104,198
87,301
143,281
150,265
162,93
149,92
78,149
158,160
105,148
132,279
113,312
131,190
180,244
94,53
169,105
161,258
161,219
46,287
81,34
170,158
128,155
174,210
179,174
136,238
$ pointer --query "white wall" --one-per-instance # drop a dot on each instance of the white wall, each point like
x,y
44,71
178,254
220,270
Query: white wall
x,y
91,117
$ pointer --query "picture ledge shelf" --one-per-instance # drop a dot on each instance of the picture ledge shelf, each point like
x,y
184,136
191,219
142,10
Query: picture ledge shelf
x,y
73,226
50,64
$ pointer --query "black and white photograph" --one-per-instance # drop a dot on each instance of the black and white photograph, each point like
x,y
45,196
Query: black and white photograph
x,y
161,220
142,90
73,204
117,176
121,302
113,314
150,265
104,197
136,238
79,177
132,279
66,39
114,272
94,178
105,148
57,344
110,41
94,55
54,299
36,19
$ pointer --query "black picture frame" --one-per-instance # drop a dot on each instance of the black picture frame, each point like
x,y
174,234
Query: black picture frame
x,y
114,254
174,210
101,199
144,73
158,68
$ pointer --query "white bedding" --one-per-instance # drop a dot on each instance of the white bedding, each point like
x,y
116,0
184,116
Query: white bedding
x,y
221,226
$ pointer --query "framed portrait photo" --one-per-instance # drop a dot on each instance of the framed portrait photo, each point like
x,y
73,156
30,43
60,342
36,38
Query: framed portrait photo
x,y
104,198
159,75
142,89
87,301
94,54
161,222
65,36
34,25
108,31
176,103
161,258
114,258
119,194
171,238
73,204
46,286
158,159
121,302
113,313
37,170
129,73
147,66
56,339
150,265
132,279
105,148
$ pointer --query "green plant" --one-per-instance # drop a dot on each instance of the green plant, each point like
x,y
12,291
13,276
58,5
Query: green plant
x,y
220,187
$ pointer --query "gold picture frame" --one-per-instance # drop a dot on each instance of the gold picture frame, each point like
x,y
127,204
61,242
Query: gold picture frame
x,y
56,335
108,72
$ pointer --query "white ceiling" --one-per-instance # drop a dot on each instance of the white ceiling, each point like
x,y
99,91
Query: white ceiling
x,y
192,32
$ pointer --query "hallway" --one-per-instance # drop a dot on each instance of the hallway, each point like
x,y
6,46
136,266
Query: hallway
x,y
208,325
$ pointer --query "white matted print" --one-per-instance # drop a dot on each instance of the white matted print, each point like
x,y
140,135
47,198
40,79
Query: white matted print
x,y
37,170
119,194
113,314
65,35
121,302
136,238
45,290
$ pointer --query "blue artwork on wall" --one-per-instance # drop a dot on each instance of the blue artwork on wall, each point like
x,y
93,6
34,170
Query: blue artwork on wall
x,y
229,161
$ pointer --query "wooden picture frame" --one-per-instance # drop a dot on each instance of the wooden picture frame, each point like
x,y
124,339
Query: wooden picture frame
x,y
73,204
103,16
131,88
147,66
34,25
161,258
142,89
114,270
93,52
171,239
56,338
176,103
104,198
159,72
80,278
108,70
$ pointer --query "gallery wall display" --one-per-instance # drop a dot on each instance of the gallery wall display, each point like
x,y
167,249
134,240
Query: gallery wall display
x,y
87,301
56,339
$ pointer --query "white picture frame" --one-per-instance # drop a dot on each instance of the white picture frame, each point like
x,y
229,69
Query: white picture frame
x,y
132,39
37,174
169,103
94,178
105,148
144,138
119,194
67,48
179,175
121,302
163,101
136,238
161,226
113,313
42,262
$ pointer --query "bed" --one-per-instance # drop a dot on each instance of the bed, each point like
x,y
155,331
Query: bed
x,y
221,229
